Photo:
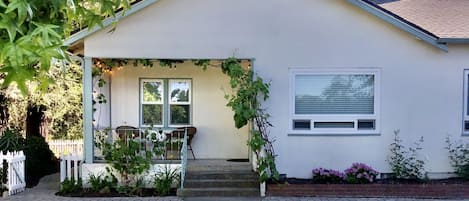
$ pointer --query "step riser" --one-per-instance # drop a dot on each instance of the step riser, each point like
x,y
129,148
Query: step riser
x,y
190,193
195,176
220,184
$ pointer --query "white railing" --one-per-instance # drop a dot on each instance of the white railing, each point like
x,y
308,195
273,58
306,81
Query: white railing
x,y
183,158
59,147
15,174
70,166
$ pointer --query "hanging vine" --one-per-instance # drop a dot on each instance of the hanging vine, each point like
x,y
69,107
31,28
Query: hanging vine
x,y
249,89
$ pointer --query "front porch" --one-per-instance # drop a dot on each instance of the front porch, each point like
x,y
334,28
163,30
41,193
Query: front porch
x,y
157,98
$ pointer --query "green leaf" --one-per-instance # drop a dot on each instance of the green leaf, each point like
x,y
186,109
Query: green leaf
x,y
9,25
23,10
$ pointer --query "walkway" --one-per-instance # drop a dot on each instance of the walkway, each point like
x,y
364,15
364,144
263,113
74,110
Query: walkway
x,y
48,186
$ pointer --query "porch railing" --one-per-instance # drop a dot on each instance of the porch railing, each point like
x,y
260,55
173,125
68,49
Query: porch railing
x,y
183,158
164,145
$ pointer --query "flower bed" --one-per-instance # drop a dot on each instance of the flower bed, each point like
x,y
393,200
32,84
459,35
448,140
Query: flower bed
x,y
449,188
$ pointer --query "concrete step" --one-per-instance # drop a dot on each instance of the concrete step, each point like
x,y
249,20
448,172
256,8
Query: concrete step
x,y
223,192
222,175
222,183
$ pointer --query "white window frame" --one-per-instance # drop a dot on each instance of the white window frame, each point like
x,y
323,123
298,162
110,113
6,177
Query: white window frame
x,y
170,102
335,117
465,106
161,102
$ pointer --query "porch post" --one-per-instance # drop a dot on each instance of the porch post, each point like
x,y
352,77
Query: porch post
x,y
87,110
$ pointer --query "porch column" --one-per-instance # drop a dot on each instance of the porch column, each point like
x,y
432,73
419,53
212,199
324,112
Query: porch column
x,y
87,110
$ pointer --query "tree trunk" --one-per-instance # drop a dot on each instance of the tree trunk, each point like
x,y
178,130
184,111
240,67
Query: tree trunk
x,y
34,119
4,115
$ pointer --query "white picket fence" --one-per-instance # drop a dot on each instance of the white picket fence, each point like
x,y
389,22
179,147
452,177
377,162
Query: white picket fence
x,y
15,178
59,147
70,167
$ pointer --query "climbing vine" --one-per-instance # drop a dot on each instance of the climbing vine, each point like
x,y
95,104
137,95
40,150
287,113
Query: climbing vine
x,y
249,91
246,105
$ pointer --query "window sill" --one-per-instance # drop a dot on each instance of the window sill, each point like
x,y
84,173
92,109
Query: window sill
x,y
332,134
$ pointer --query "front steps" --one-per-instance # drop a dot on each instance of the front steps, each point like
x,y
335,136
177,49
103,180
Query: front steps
x,y
219,178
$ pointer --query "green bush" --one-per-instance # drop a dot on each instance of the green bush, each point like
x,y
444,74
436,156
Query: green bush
x,y
405,161
11,140
165,179
459,157
102,184
40,160
70,186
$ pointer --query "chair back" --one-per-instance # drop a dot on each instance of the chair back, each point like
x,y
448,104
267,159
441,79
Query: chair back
x,y
123,131
190,133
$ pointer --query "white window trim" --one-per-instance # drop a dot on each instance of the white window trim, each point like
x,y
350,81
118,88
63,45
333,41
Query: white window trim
x,y
335,117
179,103
465,94
143,102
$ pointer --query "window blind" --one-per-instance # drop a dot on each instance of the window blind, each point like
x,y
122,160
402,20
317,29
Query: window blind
x,y
334,94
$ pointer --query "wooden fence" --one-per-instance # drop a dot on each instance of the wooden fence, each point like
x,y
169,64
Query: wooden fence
x,y
70,167
15,174
60,147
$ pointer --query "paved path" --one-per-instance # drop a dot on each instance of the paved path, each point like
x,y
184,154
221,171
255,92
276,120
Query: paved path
x,y
48,186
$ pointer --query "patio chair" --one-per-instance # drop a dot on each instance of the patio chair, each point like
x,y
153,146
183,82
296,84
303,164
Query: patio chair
x,y
124,131
179,133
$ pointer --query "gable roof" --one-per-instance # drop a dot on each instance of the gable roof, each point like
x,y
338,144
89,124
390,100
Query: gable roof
x,y
437,22
81,34
444,18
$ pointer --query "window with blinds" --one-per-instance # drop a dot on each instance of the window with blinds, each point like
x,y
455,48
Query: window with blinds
x,y
334,101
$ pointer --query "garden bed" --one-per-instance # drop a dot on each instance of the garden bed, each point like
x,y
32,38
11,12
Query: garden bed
x,y
145,192
447,188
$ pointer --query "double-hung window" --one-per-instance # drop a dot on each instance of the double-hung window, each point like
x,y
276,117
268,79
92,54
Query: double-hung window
x,y
337,101
165,102
466,102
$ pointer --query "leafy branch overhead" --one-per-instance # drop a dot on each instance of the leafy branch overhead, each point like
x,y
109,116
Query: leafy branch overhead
x,y
32,34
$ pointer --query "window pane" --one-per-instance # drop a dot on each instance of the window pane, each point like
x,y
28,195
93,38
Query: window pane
x,y
467,94
180,114
152,114
152,91
179,90
334,94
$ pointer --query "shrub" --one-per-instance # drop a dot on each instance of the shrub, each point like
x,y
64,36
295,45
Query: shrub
x,y
405,162
102,184
69,186
11,140
165,179
360,173
326,176
40,160
459,157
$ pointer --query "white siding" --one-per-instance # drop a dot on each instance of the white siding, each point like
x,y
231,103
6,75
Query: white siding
x,y
421,86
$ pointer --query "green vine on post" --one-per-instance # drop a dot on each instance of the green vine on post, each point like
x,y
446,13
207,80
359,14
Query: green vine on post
x,y
246,105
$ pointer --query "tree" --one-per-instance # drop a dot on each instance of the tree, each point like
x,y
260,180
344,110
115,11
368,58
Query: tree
x,y
32,34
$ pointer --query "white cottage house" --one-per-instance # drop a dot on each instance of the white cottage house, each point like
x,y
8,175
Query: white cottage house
x,y
344,76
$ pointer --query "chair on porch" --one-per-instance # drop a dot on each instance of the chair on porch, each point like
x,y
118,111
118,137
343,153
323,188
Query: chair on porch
x,y
179,133
126,132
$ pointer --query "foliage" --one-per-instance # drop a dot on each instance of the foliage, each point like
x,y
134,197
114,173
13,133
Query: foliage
x,y
32,34
165,179
63,107
132,189
40,160
245,103
125,157
360,173
405,162
70,186
327,176
459,157
11,140
102,184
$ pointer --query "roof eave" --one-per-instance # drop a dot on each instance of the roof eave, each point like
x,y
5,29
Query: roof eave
x,y
400,24
454,40
108,21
